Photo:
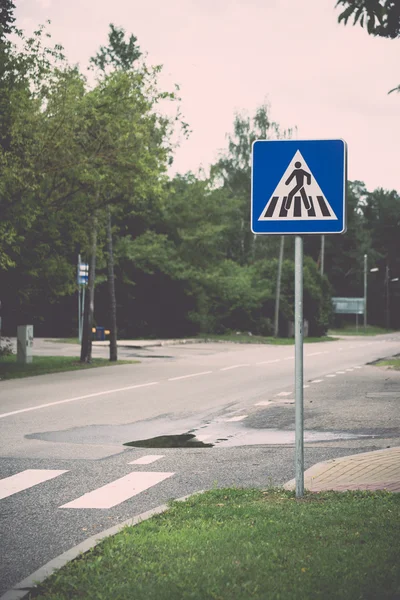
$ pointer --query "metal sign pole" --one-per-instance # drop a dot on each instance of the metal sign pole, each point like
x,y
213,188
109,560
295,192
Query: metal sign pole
x,y
79,299
299,435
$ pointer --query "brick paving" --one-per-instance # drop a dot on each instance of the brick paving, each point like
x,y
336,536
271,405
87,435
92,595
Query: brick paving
x,y
378,470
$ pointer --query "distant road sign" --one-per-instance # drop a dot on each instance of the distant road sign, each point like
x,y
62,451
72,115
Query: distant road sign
x,y
298,187
83,274
348,306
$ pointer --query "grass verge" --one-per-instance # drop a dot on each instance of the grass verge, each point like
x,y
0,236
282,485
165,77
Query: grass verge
x,y
370,330
232,544
393,363
41,365
243,338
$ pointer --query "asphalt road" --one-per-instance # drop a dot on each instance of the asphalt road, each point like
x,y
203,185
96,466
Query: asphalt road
x,y
67,431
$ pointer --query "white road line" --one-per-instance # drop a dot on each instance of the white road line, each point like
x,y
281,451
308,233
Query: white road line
x,y
330,375
238,418
118,491
191,375
289,358
94,395
146,460
317,381
269,362
26,479
284,394
263,403
203,438
358,367
305,386
340,372
349,369
235,367
314,354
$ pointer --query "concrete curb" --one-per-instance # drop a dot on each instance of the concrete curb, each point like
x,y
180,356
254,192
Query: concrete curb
x,y
21,589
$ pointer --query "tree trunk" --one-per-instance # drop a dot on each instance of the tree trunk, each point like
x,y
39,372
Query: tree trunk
x,y
86,347
111,289
278,287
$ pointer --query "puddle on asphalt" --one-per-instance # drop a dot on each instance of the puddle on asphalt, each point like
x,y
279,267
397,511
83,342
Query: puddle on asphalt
x,y
185,440
244,437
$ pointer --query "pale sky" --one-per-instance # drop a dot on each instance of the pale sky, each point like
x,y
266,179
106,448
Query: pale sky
x,y
329,80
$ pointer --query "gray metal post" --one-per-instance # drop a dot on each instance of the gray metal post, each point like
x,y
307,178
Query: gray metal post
x,y
79,301
322,253
299,435
365,292
278,286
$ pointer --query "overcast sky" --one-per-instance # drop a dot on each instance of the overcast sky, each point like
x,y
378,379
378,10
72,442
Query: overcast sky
x,y
328,80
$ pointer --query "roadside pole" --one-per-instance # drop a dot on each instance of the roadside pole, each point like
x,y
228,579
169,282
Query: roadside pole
x,y
79,301
365,293
299,406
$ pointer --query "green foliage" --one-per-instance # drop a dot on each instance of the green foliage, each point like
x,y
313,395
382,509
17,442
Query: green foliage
x,y
380,17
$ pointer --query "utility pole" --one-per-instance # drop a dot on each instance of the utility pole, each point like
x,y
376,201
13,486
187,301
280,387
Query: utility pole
x,y
322,253
278,287
387,298
365,292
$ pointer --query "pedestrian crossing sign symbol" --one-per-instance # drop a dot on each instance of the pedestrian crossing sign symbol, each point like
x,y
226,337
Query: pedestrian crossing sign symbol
x,y
298,187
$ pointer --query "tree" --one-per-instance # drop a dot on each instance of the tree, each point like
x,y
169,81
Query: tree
x,y
7,19
380,17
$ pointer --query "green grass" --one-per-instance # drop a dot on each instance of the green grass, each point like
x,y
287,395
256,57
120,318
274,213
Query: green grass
x,y
393,363
243,338
232,544
370,330
41,365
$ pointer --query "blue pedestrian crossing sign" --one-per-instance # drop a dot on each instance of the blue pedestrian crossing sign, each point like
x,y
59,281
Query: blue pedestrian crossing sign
x,y
298,187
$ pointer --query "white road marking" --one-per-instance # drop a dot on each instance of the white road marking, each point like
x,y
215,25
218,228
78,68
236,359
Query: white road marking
x,y
349,369
268,362
238,418
263,403
191,375
305,386
340,372
146,460
284,394
203,438
330,375
289,358
235,367
118,491
314,354
317,381
94,395
26,479
358,367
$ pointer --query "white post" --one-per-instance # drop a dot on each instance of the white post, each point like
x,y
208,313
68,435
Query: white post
x,y
299,417
24,343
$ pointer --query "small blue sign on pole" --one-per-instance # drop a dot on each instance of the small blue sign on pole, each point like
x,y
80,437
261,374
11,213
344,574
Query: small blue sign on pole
x,y
298,187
